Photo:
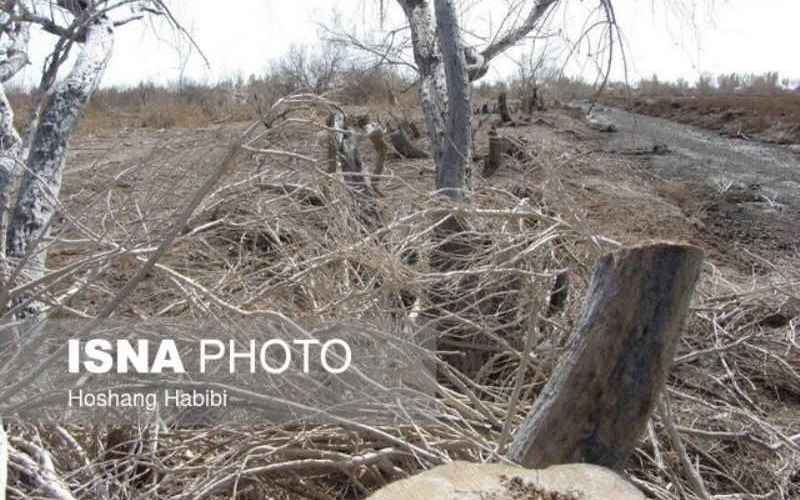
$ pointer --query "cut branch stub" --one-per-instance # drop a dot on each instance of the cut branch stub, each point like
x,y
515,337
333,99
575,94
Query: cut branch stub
x,y
599,398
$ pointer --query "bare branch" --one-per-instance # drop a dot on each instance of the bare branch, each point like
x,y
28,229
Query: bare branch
x,y
540,8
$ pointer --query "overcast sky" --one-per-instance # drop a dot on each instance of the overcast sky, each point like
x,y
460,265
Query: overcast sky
x,y
674,38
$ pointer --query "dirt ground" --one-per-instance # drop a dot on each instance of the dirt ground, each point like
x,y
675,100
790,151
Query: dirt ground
x,y
774,119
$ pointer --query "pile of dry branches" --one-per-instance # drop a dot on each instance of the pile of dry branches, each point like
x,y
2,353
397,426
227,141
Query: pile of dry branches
x,y
280,233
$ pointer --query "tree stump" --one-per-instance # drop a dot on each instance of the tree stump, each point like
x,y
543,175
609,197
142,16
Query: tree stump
x,y
499,148
496,157
502,108
602,393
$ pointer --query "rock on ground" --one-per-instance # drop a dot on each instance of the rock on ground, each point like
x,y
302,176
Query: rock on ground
x,y
467,481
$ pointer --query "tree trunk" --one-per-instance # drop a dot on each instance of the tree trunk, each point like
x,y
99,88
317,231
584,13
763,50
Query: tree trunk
x,y
11,145
10,159
452,176
432,85
41,183
601,395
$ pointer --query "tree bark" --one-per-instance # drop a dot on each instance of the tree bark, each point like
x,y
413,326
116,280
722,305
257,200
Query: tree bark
x,y
41,183
11,148
432,85
11,145
452,175
599,398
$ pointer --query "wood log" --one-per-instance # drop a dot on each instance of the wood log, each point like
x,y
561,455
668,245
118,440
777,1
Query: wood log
x,y
599,398
403,145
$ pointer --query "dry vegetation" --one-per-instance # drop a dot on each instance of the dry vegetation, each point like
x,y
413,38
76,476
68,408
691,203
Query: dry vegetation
x,y
773,119
281,234
753,107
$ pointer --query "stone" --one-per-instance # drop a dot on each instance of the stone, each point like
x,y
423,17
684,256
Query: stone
x,y
467,481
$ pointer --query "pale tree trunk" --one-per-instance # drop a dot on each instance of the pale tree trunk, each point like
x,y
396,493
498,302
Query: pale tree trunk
x,y
432,85
41,183
16,38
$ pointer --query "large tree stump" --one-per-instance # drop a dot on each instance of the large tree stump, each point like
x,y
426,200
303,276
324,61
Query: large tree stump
x,y
599,398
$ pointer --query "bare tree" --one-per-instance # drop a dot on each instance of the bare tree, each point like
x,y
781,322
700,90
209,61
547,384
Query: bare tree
x,y
446,68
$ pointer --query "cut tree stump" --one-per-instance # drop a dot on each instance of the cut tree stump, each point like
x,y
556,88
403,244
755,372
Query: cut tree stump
x,y
598,400
499,148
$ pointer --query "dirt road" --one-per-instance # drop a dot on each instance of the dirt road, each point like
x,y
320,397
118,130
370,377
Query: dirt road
x,y
704,157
